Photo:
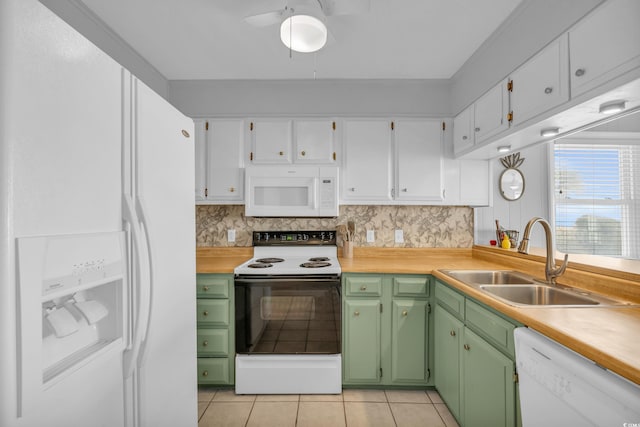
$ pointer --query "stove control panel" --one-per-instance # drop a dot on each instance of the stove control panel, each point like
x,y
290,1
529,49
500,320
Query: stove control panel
x,y
294,238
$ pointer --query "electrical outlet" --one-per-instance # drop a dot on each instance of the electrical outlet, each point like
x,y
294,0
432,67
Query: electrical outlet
x,y
231,236
399,236
371,236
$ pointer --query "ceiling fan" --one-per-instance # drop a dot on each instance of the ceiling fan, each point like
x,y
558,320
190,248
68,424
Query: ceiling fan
x,y
303,22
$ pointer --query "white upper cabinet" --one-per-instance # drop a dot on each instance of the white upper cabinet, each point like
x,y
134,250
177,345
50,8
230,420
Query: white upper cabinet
x,y
200,160
466,182
604,45
463,132
418,154
366,175
541,83
314,141
482,120
225,148
271,141
490,113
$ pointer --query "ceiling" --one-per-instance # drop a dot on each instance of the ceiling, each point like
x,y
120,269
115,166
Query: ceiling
x,y
395,39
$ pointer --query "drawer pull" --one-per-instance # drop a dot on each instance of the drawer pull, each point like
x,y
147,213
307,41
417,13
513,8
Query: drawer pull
x,y
466,347
205,288
205,374
404,313
356,313
205,343
452,333
363,288
205,313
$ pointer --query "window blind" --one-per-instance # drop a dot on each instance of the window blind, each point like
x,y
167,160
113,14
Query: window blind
x,y
597,199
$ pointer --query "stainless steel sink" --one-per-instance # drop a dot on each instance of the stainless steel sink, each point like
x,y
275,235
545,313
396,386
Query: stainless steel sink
x,y
490,277
520,289
538,295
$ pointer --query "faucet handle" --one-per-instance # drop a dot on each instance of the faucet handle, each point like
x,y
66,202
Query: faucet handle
x,y
560,270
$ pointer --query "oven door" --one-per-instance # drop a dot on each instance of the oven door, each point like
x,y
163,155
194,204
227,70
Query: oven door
x,y
288,315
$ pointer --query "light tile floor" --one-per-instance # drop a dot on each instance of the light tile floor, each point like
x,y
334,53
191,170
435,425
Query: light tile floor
x,y
352,408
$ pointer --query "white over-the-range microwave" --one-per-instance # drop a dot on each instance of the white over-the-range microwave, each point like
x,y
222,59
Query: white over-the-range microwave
x,y
291,191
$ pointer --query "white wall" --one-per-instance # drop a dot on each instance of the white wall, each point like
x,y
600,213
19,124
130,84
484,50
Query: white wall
x,y
514,215
219,98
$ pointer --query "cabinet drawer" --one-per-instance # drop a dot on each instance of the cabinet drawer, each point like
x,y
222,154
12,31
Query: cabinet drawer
x,y
450,299
411,286
363,286
213,312
213,370
213,342
490,326
213,286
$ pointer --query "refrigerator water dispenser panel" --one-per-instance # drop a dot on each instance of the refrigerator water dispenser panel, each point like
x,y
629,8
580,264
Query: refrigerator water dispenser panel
x,y
72,300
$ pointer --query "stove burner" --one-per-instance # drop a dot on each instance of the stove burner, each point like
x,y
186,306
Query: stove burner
x,y
269,260
260,265
319,258
315,264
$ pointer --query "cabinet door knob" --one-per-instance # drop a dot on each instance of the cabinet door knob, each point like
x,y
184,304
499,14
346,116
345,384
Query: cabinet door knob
x,y
356,313
404,190
205,288
185,133
352,189
363,288
205,313
477,129
404,313
205,343
281,153
232,189
464,138
303,153
466,347
205,373
452,333
580,72
548,90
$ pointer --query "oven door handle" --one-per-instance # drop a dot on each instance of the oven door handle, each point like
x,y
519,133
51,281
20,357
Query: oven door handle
x,y
282,279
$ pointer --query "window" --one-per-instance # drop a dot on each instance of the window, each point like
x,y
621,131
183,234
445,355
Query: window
x,y
597,198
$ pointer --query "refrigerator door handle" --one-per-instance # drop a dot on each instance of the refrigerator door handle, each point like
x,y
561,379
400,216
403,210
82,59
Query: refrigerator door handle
x,y
143,270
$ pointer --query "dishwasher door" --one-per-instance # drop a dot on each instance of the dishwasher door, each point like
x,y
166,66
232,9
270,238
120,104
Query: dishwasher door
x,y
559,387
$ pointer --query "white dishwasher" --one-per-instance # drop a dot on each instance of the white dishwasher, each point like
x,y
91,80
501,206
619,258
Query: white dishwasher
x,y
559,387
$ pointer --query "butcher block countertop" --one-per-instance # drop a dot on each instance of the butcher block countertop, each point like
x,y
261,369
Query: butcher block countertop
x,y
608,336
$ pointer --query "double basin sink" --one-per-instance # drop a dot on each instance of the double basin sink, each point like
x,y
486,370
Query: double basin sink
x,y
522,290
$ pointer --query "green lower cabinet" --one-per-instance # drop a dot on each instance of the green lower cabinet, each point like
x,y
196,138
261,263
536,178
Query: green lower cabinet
x,y
361,355
488,387
409,344
386,329
474,361
215,329
447,336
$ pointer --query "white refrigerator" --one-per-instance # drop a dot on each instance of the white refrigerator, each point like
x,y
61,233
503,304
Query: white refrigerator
x,y
97,236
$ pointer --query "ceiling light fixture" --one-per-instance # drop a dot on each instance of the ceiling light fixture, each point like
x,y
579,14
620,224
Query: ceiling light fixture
x,y
504,148
303,33
612,107
549,132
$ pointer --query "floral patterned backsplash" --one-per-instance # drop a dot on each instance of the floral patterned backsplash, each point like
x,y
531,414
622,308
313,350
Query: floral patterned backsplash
x,y
422,226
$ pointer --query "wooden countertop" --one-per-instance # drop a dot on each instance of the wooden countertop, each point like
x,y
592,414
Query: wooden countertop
x,y
608,336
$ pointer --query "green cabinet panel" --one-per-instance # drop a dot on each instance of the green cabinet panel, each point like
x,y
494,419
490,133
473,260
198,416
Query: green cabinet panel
x,y
411,286
492,327
361,356
213,286
450,299
447,335
212,312
363,285
489,388
213,342
214,371
409,343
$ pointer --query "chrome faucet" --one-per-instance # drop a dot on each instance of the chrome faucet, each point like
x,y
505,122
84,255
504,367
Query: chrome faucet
x,y
550,272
